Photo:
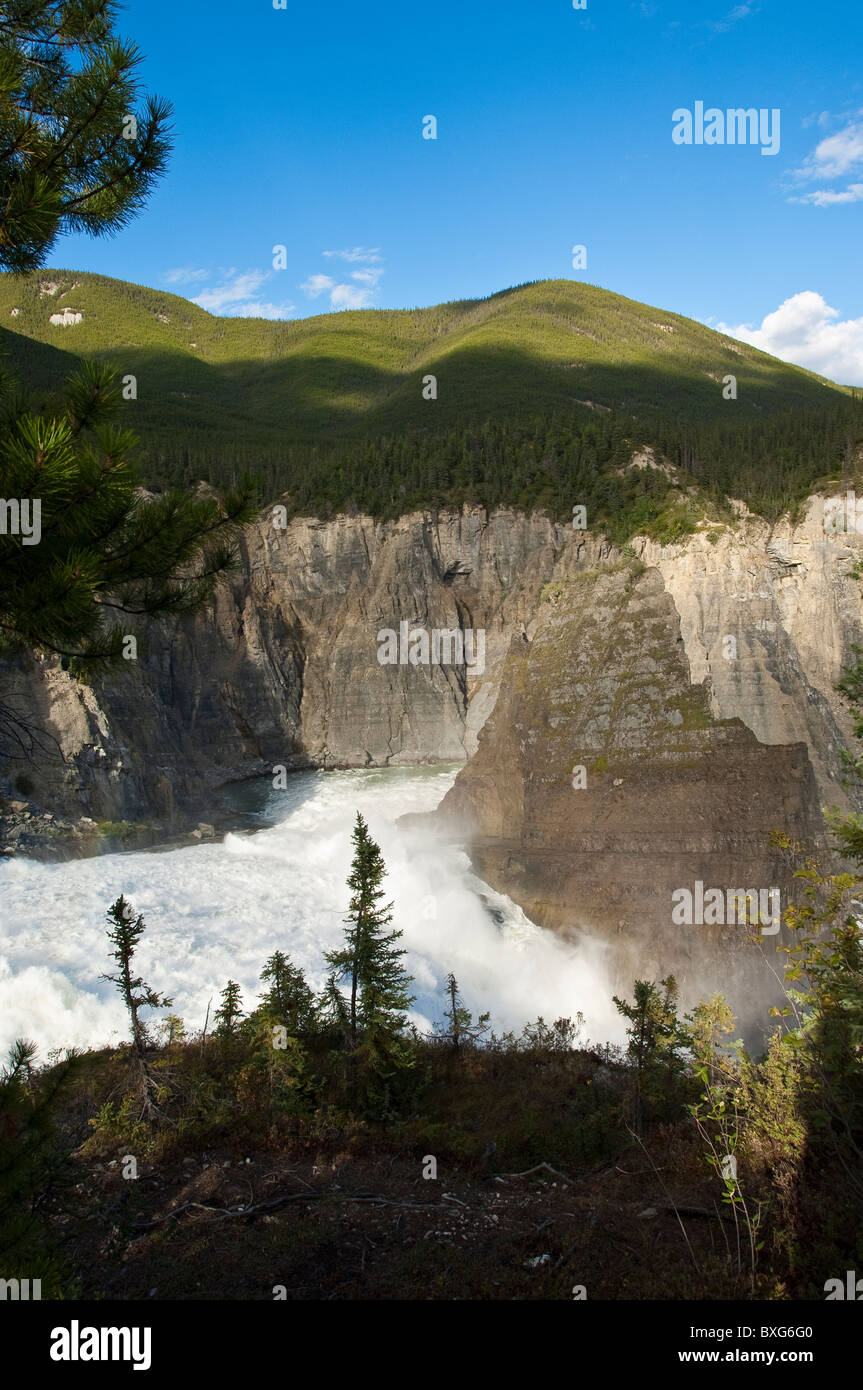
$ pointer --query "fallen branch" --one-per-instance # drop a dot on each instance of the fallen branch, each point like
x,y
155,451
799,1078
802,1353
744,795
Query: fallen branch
x,y
273,1204
539,1168
547,1168
686,1210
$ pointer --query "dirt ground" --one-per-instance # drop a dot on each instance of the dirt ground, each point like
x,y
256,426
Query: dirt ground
x,y
265,1227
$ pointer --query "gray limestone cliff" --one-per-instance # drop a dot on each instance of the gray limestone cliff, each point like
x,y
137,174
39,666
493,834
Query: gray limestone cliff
x,y
694,683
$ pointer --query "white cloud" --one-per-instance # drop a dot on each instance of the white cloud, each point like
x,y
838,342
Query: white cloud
x,y
237,296
258,309
357,253
185,275
343,295
825,197
834,157
316,284
721,26
349,297
367,277
818,118
807,331
235,287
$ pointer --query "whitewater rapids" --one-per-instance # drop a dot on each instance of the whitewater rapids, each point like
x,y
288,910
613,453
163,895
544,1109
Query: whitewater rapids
x,y
217,910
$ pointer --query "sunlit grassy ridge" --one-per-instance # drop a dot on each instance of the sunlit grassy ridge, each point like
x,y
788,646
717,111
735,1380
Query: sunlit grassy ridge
x,y
542,391
545,346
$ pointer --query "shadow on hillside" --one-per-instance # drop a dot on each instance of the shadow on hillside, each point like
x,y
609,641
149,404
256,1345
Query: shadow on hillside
x,y
336,395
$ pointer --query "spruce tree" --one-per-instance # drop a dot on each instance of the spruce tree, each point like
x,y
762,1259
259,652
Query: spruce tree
x,y
656,1036
125,930
228,1016
459,1027
332,1009
368,961
80,145
370,964
288,1000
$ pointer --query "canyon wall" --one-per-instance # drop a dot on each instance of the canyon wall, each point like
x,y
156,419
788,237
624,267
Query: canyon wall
x,y
694,684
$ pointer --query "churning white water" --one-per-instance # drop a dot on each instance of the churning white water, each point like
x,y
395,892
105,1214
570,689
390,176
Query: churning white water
x,y
216,911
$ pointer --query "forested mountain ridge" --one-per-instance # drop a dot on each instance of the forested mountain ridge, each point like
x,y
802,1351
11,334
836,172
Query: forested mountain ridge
x,y
543,393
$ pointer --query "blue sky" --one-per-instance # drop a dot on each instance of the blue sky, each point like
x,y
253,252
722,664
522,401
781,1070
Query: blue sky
x,y
303,127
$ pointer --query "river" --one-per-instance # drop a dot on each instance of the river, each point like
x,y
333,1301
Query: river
x,y
216,910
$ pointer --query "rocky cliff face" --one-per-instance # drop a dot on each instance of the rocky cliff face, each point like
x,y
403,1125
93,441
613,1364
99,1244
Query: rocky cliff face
x,y
786,596
285,669
603,786
696,690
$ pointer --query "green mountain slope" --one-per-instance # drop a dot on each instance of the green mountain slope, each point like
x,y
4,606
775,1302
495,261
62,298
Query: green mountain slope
x,y
545,346
558,378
